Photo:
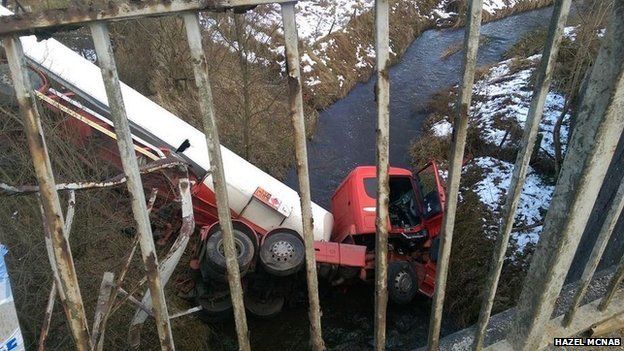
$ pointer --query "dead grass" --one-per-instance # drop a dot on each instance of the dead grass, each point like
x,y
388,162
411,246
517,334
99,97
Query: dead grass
x,y
97,242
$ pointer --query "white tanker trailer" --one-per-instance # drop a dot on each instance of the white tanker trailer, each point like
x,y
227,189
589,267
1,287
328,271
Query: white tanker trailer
x,y
162,128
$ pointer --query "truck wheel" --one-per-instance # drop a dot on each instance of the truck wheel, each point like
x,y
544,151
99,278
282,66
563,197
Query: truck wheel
x,y
402,282
215,252
215,309
264,307
282,253
215,306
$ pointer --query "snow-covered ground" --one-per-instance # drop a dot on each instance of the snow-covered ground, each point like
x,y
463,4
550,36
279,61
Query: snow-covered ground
x,y
534,200
316,20
503,95
501,101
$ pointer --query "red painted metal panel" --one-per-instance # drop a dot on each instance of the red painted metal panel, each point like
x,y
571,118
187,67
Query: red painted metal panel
x,y
340,254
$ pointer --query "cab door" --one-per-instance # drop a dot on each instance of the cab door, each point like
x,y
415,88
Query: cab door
x,y
432,196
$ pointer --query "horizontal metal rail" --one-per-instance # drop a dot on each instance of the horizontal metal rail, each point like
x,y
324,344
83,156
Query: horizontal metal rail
x,y
587,316
53,20
16,190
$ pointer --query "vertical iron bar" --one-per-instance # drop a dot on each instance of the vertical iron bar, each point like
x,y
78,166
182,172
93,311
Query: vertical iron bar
x,y
63,260
600,123
594,258
209,121
69,219
382,49
540,91
301,153
106,59
460,130
614,284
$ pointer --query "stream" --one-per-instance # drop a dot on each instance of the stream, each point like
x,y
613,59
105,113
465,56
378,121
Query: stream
x,y
344,139
345,134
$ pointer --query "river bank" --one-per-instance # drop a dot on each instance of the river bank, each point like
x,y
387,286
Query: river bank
x,y
345,134
345,138
335,63
501,98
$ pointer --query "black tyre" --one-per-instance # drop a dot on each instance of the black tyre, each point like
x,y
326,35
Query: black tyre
x,y
402,282
282,253
214,256
216,305
264,307
215,309
211,274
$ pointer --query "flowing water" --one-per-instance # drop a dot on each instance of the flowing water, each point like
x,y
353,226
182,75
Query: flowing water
x,y
345,134
344,139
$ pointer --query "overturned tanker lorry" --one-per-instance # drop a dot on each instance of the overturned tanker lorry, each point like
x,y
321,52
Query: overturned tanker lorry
x,y
266,213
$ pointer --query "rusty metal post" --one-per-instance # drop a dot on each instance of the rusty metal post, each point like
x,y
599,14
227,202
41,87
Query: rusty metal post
x,y
382,50
594,258
301,153
531,127
600,123
54,290
63,260
460,130
106,59
614,285
209,121
167,264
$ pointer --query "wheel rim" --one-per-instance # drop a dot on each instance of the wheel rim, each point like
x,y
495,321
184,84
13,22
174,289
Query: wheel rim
x,y
282,251
237,246
403,283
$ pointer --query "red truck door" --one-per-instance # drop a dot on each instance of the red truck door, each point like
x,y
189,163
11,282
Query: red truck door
x,y
432,195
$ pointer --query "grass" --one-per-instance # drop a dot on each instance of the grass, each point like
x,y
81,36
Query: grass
x,y
97,243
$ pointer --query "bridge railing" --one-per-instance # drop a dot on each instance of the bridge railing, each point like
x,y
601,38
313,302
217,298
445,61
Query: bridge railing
x,y
599,127
600,124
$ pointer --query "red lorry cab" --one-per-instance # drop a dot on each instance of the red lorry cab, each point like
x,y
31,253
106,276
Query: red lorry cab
x,y
416,203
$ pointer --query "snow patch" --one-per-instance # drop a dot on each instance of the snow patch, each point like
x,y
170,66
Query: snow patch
x,y
534,199
442,128
502,97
